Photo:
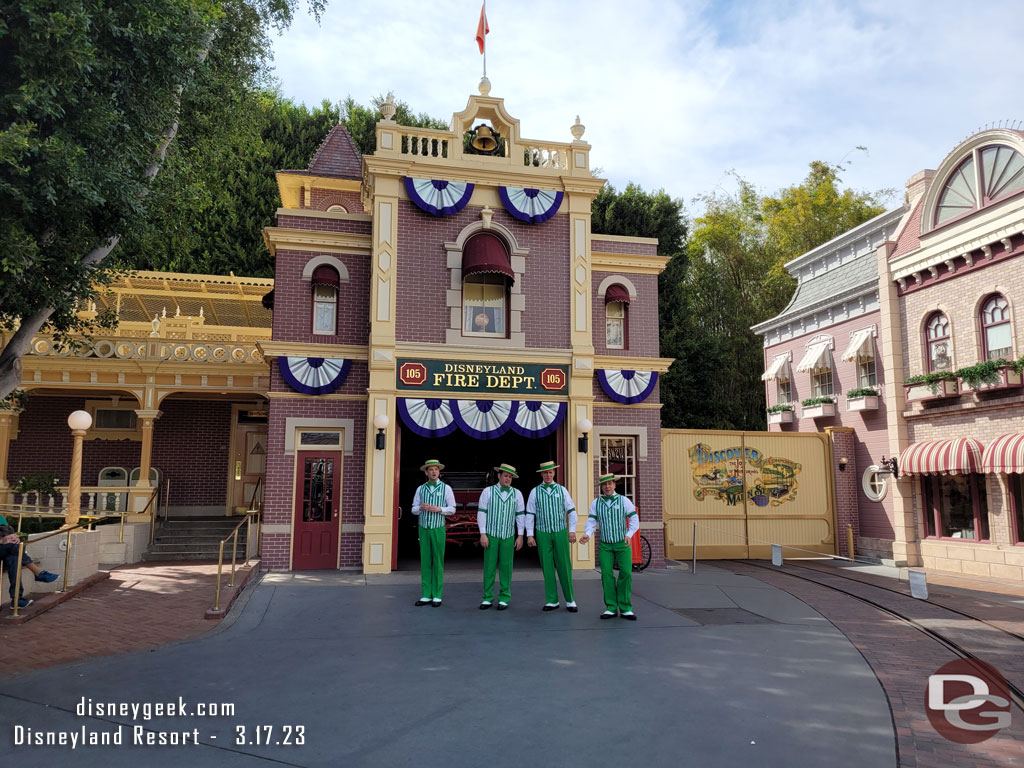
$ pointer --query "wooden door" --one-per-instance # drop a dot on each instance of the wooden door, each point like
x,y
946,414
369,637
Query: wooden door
x,y
317,510
248,464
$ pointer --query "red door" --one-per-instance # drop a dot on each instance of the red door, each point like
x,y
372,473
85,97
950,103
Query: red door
x,y
317,511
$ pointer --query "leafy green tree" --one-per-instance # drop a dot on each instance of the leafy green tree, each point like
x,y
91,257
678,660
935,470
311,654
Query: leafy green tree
x,y
91,98
735,278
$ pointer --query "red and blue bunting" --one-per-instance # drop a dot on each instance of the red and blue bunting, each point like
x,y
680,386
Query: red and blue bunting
x,y
439,198
626,386
530,205
314,375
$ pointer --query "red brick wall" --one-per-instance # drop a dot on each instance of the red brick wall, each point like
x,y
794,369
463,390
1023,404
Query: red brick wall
x,y
278,501
190,447
326,225
599,244
648,481
642,314
322,199
847,488
293,300
424,279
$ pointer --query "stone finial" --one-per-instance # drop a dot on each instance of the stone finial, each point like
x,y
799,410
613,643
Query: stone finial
x,y
388,108
485,86
578,129
485,214
156,325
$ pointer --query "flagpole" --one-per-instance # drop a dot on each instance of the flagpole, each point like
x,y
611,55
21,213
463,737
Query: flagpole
x,y
485,38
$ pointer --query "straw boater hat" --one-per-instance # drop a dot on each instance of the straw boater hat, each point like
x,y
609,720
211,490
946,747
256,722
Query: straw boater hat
x,y
506,468
431,463
544,467
605,478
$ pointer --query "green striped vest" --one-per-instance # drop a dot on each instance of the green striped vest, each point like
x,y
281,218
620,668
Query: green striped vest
x,y
549,503
432,494
611,518
501,512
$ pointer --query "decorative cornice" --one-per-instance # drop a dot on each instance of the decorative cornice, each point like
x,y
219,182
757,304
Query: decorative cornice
x,y
628,262
312,240
624,239
291,185
624,363
924,258
426,351
305,349
314,214
847,238
863,289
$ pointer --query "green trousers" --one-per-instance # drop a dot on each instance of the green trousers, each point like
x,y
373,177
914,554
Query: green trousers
x,y
432,562
498,556
617,592
553,549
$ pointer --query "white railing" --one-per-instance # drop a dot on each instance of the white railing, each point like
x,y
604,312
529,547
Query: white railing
x,y
546,156
95,498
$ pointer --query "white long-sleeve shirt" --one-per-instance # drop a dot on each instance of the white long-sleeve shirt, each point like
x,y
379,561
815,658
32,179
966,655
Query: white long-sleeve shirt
x,y
485,506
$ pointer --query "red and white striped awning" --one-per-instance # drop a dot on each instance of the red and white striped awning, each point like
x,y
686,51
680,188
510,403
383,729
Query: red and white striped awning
x,y
1005,455
961,456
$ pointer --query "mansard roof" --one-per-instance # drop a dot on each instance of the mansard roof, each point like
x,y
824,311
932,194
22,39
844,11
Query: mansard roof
x,y
336,157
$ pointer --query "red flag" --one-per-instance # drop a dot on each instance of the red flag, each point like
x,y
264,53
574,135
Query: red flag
x,y
481,27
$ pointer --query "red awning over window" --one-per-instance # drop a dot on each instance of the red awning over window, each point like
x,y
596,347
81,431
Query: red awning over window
x,y
1005,456
325,275
485,253
961,456
615,293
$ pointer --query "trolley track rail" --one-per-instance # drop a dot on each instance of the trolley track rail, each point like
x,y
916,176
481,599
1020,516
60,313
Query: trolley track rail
x,y
1016,693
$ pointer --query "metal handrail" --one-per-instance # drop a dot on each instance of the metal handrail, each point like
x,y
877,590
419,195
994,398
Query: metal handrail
x,y
234,551
67,558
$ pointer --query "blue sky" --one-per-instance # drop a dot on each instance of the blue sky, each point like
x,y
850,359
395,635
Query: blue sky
x,y
677,94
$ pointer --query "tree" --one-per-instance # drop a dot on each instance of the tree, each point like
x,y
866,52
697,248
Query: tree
x,y
735,278
91,95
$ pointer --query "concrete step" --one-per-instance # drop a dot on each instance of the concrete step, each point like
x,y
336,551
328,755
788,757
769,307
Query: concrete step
x,y
201,556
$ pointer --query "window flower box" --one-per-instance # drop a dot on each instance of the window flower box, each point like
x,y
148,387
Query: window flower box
x,y
818,407
920,391
1003,377
862,403
780,417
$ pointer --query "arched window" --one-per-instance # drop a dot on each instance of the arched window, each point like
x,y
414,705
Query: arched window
x,y
325,300
337,209
995,327
987,174
937,330
486,279
616,317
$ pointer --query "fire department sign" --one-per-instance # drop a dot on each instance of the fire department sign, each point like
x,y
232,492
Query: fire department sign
x,y
483,378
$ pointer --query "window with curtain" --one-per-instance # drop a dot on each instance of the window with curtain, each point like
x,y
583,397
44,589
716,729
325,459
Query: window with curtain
x,y
618,455
866,373
937,331
784,390
325,309
615,325
995,325
821,382
484,305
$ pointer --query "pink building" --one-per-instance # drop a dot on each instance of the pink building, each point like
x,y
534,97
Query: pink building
x,y
822,364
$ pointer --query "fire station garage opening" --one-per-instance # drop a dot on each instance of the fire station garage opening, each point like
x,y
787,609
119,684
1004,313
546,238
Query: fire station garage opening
x,y
469,468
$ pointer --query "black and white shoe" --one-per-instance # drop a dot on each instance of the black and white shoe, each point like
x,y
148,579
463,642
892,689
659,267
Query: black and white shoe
x,y
502,606
608,615
629,616
551,607
422,601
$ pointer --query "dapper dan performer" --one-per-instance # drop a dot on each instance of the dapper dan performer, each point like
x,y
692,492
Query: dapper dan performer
x,y
433,502
616,518
500,514
546,511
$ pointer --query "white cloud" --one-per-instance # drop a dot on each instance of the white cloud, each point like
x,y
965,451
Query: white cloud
x,y
675,94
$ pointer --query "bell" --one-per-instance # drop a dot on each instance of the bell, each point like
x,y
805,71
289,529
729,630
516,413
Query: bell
x,y
484,139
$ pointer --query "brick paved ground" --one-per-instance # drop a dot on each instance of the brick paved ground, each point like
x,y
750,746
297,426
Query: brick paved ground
x,y
140,606
902,658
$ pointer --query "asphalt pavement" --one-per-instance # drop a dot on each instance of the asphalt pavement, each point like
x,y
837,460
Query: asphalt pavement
x,y
343,670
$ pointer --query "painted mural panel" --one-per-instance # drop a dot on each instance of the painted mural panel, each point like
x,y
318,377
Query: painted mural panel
x,y
739,492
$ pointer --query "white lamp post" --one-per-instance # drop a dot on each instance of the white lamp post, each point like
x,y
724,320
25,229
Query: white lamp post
x,y
79,421
381,422
585,426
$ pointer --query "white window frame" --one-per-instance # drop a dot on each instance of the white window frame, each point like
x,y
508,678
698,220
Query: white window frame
x,y
869,479
631,456
319,302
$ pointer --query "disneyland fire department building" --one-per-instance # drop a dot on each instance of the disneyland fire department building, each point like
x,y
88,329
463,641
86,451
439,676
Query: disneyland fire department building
x,y
445,298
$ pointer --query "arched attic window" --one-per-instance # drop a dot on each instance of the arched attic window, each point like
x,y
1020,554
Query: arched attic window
x,y
326,282
616,317
487,277
987,174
